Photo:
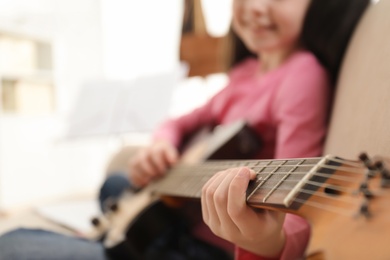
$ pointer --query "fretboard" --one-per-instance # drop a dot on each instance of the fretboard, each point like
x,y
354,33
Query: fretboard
x,y
277,182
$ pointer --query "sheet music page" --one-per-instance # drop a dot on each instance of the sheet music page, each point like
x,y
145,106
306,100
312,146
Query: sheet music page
x,y
113,107
75,215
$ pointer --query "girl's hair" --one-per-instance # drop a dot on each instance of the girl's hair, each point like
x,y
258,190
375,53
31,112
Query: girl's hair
x,y
327,29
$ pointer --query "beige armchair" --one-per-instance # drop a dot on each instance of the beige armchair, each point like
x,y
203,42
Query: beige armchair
x,y
361,112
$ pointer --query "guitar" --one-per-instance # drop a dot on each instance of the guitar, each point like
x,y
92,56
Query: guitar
x,y
346,202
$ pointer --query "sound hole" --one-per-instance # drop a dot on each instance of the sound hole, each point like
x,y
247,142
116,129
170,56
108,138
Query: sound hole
x,y
332,190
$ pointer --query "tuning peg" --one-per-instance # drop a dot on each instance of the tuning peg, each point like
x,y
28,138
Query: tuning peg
x,y
366,160
95,222
114,207
385,182
364,210
366,191
111,205
369,164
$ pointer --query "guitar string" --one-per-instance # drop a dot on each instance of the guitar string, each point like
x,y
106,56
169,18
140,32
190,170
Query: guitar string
x,y
266,188
271,163
321,206
339,209
351,203
222,165
310,192
328,176
339,197
331,188
262,169
269,184
359,170
327,207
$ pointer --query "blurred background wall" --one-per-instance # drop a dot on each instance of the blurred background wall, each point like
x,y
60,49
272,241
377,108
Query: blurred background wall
x,y
48,50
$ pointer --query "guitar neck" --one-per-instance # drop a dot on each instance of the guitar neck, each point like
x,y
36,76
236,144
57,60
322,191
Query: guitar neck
x,y
278,183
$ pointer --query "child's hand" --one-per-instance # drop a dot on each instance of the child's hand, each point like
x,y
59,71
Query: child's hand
x,y
152,162
225,211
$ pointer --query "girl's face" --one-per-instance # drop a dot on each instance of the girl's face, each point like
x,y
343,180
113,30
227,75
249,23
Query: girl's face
x,y
269,25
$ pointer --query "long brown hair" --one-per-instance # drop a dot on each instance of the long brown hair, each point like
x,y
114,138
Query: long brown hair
x,y
326,32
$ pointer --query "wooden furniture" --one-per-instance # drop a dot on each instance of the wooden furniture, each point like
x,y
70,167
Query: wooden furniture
x,y
203,52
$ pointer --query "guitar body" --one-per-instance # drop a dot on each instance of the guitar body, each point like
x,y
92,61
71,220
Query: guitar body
x,y
346,202
354,237
143,221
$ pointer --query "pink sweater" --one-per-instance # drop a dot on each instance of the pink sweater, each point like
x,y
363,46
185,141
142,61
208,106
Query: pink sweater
x,y
287,107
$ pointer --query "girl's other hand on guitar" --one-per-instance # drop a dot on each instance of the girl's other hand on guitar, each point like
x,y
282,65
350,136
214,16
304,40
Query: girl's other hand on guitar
x,y
225,211
152,162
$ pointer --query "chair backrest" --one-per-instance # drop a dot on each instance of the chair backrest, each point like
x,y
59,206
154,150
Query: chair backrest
x,y
361,113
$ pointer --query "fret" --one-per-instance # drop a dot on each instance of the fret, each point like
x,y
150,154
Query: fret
x,y
259,180
282,180
197,186
289,198
275,181
262,192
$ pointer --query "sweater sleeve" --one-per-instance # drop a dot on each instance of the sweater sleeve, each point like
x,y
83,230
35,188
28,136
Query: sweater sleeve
x,y
174,129
297,232
210,113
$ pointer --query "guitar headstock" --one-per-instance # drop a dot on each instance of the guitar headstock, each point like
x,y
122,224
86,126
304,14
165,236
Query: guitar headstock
x,y
350,212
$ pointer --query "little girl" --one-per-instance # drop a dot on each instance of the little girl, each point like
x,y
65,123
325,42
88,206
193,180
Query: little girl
x,y
288,37
283,90
286,61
